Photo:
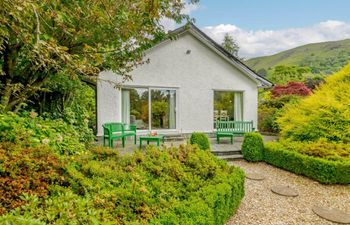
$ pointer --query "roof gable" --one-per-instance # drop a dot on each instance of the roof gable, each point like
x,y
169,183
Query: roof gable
x,y
205,39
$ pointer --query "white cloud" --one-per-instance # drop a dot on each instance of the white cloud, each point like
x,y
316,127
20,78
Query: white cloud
x,y
169,24
267,42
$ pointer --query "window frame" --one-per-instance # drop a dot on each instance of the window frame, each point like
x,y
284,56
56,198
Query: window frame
x,y
149,89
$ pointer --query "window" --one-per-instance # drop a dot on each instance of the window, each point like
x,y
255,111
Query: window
x,y
135,107
149,108
228,105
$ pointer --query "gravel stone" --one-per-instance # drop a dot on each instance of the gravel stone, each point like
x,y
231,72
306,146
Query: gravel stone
x,y
261,206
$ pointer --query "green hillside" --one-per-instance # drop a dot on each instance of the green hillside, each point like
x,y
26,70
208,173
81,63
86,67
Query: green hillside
x,y
324,58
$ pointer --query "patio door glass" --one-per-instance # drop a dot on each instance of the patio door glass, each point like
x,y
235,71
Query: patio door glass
x,y
149,108
228,106
135,107
163,112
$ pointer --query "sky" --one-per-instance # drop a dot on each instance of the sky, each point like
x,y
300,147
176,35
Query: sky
x,y
266,27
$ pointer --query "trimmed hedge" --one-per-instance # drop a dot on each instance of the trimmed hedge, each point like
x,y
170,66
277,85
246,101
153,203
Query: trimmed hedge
x,y
253,147
201,140
213,204
322,170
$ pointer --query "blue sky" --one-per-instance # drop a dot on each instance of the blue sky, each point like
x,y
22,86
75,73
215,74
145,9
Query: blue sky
x,y
270,14
266,27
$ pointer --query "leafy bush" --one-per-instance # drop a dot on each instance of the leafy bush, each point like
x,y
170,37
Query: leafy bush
x,y
25,171
292,88
253,147
325,114
201,140
69,99
322,170
28,129
269,110
267,119
176,185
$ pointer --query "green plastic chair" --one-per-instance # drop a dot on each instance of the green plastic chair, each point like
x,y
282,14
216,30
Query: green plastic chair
x,y
112,131
130,130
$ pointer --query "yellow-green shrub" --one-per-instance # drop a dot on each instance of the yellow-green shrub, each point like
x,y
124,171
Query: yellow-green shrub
x,y
324,114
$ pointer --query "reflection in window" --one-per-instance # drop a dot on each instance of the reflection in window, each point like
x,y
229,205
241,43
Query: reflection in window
x,y
228,106
135,107
163,109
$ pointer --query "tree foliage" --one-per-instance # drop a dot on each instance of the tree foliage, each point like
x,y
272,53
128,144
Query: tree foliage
x,y
292,88
283,74
230,45
41,39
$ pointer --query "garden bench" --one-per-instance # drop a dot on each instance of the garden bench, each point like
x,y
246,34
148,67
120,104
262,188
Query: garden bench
x,y
112,131
232,129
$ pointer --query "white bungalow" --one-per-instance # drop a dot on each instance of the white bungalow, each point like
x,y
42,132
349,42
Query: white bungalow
x,y
189,83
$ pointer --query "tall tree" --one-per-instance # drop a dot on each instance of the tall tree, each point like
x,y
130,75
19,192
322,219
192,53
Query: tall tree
x,y
40,39
230,45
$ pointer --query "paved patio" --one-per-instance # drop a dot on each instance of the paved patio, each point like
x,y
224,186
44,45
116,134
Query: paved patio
x,y
224,146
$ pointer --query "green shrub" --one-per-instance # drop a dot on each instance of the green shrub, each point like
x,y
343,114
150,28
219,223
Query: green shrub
x,y
182,185
212,204
267,120
320,149
27,129
325,114
253,147
270,108
322,170
25,171
201,140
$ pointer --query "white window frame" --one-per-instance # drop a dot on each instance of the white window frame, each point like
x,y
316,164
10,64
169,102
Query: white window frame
x,y
149,89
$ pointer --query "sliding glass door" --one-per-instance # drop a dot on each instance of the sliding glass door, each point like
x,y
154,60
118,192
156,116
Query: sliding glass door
x,y
149,108
135,107
163,109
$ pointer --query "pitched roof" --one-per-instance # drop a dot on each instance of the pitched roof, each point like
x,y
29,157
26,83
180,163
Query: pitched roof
x,y
190,27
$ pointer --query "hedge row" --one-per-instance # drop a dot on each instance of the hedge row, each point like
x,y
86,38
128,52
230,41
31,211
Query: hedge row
x,y
213,204
322,170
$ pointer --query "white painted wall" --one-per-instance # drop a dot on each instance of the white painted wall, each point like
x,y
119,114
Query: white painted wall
x,y
196,75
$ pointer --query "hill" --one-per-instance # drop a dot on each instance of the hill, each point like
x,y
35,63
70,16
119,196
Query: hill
x,y
322,58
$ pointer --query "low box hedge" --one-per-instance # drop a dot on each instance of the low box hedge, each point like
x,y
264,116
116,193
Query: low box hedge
x,y
253,147
213,204
201,139
322,170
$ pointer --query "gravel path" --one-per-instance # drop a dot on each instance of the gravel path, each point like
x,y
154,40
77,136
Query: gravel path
x,y
260,206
